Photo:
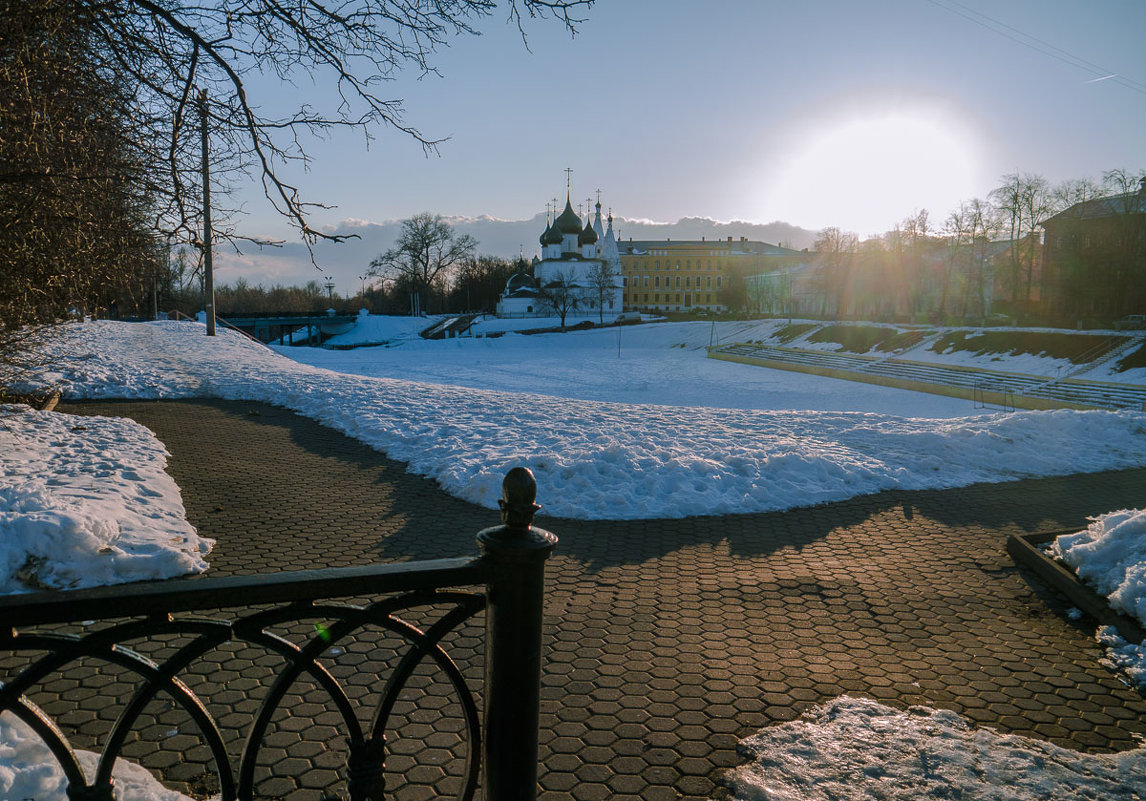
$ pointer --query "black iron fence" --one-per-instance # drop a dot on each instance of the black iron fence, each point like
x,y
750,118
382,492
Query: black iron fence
x,y
224,706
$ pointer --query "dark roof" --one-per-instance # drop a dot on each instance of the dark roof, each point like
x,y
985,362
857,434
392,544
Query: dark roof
x,y
1128,203
568,222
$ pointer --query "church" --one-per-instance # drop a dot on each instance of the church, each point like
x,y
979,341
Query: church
x,y
578,275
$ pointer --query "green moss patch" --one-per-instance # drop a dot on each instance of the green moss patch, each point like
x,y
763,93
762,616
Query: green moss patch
x,y
793,331
902,341
854,338
1078,348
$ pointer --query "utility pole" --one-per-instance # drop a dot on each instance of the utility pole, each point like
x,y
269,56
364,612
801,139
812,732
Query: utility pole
x,y
208,271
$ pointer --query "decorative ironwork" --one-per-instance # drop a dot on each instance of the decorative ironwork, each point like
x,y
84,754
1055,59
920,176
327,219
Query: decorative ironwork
x,y
148,616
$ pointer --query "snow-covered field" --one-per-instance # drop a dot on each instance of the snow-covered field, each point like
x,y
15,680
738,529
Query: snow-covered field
x,y
652,429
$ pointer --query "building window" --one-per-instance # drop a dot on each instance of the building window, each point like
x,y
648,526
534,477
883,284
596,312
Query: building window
x,y
688,282
624,281
708,283
656,298
718,282
657,282
678,282
658,264
646,282
688,264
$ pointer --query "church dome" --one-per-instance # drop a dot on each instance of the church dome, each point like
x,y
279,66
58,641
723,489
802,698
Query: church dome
x,y
552,236
568,222
544,238
588,236
520,283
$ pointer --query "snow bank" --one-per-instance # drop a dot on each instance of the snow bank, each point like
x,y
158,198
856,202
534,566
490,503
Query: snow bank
x,y
1110,556
84,501
853,749
29,771
375,329
600,460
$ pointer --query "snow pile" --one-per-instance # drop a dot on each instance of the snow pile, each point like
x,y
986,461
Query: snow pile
x,y
84,501
375,329
28,770
857,749
1110,556
602,460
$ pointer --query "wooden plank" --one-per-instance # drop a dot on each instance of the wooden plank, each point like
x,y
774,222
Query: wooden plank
x,y
1026,550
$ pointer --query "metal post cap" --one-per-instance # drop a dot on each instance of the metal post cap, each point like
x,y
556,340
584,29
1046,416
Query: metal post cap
x,y
518,493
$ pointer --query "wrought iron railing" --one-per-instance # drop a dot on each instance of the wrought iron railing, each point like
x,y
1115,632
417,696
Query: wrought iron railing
x,y
133,657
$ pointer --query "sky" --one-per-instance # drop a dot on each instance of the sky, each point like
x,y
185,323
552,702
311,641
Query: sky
x,y
820,113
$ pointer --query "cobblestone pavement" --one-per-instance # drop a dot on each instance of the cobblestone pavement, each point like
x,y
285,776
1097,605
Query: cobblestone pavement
x,y
667,641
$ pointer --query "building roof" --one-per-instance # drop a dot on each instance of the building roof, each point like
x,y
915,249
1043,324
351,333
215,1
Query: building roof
x,y
735,247
1128,203
568,222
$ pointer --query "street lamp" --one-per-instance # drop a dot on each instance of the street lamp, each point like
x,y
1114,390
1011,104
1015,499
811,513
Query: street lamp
x,y
330,290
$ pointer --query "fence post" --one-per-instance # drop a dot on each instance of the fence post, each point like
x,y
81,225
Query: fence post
x,y
516,553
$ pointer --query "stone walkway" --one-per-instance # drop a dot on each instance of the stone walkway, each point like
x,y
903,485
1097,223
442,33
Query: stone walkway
x,y
667,641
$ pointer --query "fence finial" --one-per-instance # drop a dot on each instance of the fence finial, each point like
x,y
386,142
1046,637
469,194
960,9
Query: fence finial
x,y
518,492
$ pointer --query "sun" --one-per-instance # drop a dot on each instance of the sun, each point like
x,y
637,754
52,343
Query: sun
x,y
867,173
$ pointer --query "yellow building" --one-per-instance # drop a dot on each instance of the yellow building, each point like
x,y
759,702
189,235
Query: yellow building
x,y
693,275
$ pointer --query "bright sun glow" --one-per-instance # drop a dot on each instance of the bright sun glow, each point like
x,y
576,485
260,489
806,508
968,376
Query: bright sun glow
x,y
867,174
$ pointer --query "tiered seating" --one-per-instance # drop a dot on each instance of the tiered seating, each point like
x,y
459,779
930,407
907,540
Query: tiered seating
x,y
1084,393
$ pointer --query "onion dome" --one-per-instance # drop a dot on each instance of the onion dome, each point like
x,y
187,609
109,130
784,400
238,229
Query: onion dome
x,y
552,236
568,222
587,237
520,282
544,238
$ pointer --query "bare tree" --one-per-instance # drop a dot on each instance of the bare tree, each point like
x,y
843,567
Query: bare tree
x,y
1025,201
836,250
74,177
603,285
915,238
166,50
426,251
561,295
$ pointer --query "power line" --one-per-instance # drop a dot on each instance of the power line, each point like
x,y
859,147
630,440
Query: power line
x,y
1039,45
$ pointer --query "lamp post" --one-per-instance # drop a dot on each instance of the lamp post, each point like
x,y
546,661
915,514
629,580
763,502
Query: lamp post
x,y
330,290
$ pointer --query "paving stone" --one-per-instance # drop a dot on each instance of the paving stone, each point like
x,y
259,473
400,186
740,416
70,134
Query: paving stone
x,y
666,641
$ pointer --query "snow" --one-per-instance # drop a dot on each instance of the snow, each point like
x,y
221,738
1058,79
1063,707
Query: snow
x,y
657,430
663,365
29,771
853,748
376,329
84,501
1110,557
670,451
